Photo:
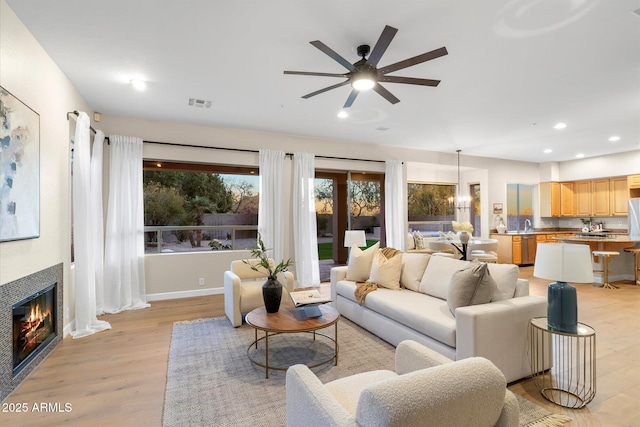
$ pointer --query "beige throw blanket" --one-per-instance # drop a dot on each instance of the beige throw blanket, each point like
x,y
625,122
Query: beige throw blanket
x,y
364,288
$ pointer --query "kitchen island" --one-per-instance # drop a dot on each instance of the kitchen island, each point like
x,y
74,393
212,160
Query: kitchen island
x,y
620,267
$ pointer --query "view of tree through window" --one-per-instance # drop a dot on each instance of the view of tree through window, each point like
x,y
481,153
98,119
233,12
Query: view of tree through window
x,y
429,208
196,195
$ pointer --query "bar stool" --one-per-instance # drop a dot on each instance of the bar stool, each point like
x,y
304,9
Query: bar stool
x,y
606,257
636,253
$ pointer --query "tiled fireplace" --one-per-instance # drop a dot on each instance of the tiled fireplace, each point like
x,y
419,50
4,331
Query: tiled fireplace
x,y
30,324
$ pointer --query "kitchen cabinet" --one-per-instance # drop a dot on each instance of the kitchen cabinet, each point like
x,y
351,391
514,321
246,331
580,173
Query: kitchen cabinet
x,y
516,250
633,183
582,192
619,196
601,197
567,199
550,199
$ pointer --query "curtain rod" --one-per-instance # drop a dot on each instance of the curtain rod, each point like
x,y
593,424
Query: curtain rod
x,y
243,150
76,114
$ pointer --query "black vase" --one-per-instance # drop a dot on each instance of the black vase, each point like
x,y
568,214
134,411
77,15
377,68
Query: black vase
x,y
272,294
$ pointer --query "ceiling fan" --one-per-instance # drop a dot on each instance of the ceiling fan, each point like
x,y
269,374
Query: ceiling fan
x,y
364,74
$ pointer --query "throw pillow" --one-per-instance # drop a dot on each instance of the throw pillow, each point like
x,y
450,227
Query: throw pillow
x,y
438,274
506,276
360,261
470,286
386,272
410,243
413,267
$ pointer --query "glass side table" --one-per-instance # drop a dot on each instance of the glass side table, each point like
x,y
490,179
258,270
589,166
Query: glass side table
x,y
571,379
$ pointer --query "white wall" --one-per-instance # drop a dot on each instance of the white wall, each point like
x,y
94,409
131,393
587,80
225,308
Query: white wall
x,y
29,74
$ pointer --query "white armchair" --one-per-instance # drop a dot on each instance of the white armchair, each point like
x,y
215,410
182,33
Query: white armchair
x,y
243,289
427,389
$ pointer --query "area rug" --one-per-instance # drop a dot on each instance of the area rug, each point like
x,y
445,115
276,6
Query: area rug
x,y
211,382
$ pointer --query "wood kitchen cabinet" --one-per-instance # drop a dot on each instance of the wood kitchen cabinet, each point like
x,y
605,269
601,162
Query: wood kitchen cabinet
x,y
633,183
601,197
582,192
567,199
549,199
516,250
619,196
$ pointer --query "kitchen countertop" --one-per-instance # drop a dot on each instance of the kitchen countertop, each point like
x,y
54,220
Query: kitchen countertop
x,y
617,238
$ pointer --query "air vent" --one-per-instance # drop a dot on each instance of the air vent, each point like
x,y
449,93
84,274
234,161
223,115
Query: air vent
x,y
381,128
199,103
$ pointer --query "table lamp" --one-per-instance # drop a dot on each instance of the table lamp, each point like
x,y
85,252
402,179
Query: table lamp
x,y
354,238
563,262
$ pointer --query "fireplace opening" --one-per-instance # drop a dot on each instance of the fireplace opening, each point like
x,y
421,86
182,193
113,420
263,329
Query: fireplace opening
x,y
34,326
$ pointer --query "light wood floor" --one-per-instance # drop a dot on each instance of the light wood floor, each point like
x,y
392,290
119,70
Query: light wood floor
x,y
117,377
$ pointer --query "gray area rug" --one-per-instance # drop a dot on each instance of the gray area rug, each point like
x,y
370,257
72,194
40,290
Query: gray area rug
x,y
211,382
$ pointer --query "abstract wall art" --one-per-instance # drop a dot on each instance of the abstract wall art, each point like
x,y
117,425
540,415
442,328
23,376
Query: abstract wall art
x,y
19,169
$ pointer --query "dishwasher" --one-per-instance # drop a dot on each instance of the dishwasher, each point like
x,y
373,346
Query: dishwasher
x,y
528,249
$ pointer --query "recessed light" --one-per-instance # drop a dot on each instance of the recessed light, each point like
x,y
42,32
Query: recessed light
x,y
548,150
343,114
580,155
138,84
560,126
614,138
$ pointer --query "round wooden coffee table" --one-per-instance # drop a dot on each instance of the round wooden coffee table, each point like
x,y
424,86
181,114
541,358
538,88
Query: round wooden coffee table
x,y
290,319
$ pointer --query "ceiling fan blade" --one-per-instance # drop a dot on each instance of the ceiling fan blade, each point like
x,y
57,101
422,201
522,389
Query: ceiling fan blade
x,y
409,80
352,97
385,94
437,53
318,92
310,73
381,45
336,57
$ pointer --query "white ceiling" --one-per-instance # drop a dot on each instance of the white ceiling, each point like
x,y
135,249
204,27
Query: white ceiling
x,y
514,69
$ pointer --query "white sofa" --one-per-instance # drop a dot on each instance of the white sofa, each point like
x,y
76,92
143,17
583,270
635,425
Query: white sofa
x,y
497,330
426,389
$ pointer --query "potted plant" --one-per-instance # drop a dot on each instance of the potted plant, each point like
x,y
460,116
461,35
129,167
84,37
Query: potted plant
x,y
272,288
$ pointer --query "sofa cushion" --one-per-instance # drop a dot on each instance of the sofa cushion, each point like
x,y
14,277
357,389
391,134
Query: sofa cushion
x,y
506,277
471,286
413,267
386,272
360,262
425,314
438,274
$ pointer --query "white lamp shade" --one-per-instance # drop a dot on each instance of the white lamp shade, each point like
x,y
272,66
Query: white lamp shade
x,y
354,238
564,262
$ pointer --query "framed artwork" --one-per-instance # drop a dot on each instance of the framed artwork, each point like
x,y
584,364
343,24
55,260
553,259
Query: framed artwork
x,y
497,208
19,169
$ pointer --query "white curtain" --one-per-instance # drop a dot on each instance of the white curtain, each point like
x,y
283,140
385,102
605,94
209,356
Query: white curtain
x,y
98,217
395,213
305,234
124,286
270,212
87,249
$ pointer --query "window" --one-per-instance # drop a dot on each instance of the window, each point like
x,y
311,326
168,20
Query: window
x,y
519,206
430,207
199,207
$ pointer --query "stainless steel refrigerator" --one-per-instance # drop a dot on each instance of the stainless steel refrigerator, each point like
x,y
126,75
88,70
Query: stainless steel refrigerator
x,y
634,218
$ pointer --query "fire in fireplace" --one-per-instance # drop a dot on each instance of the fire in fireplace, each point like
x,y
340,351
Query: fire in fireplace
x,y
34,326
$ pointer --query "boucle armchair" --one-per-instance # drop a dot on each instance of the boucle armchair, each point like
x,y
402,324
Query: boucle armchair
x,y
243,289
427,389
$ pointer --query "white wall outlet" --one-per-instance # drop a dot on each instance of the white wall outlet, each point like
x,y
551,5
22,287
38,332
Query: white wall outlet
x,y
201,281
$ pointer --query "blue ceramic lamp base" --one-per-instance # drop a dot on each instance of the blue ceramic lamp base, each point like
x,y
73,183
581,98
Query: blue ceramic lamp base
x,y
562,308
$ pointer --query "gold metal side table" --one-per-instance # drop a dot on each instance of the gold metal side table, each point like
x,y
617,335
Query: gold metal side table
x,y
571,381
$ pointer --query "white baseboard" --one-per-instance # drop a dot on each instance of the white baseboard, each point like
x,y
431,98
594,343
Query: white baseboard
x,y
185,294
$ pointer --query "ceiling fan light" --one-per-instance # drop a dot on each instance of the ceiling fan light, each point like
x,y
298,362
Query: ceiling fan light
x,y
363,83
